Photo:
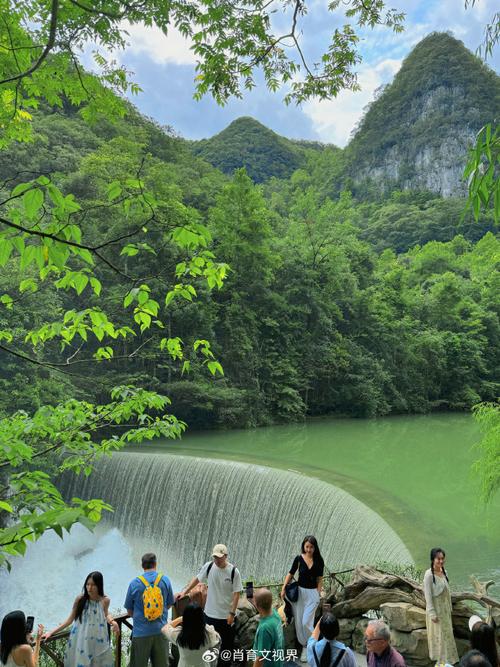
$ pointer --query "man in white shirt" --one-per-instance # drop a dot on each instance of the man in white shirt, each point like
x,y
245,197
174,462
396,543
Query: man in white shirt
x,y
224,588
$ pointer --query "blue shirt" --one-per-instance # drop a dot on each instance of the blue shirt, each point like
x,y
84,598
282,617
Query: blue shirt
x,y
133,601
348,659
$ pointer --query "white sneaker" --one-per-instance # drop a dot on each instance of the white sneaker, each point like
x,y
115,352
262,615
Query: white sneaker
x,y
303,655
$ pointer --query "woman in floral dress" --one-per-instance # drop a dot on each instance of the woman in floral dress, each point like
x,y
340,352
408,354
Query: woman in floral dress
x,y
88,643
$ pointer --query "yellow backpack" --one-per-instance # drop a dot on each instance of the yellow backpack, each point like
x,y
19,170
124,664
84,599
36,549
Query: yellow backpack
x,y
152,598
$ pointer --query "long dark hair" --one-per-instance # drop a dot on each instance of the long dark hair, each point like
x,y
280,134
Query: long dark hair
x,y
99,582
317,557
434,552
12,634
193,634
329,628
482,638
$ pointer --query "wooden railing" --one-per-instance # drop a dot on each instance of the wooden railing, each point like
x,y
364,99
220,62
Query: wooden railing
x,y
45,647
124,619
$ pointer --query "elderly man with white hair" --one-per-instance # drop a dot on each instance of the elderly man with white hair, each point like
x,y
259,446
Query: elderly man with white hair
x,y
379,652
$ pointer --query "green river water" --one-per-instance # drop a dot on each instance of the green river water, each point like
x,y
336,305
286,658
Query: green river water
x,y
413,471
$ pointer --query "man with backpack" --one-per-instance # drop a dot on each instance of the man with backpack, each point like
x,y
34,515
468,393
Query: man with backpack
x,y
149,597
224,588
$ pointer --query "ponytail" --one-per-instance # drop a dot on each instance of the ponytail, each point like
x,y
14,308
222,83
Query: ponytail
x,y
326,656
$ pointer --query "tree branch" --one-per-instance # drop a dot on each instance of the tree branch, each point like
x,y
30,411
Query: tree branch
x,y
101,12
48,47
74,244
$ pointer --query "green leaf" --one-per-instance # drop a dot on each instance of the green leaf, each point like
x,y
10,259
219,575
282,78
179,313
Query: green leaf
x,y
27,285
19,189
6,247
215,367
129,250
114,190
32,202
7,300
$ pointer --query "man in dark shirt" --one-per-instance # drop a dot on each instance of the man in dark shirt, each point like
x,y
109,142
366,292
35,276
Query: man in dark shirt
x,y
379,650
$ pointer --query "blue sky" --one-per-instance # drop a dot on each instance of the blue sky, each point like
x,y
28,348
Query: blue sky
x,y
164,68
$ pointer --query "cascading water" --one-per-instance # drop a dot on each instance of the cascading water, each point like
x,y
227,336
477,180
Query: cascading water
x,y
45,582
180,506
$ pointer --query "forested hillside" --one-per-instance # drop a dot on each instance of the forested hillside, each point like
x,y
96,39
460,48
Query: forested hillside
x,y
339,299
247,143
332,305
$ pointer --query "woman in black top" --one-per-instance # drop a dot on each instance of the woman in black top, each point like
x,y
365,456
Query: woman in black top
x,y
310,566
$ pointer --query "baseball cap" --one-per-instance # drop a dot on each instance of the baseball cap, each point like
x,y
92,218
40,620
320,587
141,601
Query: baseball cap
x,y
473,620
219,550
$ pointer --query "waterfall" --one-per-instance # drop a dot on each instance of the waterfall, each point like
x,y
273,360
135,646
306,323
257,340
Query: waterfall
x,y
180,506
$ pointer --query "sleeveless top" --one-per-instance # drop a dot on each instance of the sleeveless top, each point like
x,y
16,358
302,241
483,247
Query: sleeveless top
x,y
88,642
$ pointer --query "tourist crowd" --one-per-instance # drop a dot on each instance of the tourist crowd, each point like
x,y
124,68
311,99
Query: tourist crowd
x,y
203,632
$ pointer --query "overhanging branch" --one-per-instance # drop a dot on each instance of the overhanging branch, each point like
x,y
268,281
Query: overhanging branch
x,y
48,47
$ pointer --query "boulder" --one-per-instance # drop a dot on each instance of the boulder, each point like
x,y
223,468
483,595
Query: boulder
x,y
460,617
358,635
245,624
347,626
413,646
403,616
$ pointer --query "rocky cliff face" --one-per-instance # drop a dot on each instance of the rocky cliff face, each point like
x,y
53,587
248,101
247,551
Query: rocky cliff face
x,y
437,167
416,135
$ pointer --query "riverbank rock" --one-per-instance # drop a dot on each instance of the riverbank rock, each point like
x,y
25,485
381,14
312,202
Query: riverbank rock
x,y
403,616
245,623
347,626
358,635
413,646
460,618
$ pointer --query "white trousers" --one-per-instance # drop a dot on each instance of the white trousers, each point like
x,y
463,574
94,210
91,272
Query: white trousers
x,y
303,613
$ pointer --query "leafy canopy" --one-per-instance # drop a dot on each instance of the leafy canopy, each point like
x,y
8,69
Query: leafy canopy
x,y
40,42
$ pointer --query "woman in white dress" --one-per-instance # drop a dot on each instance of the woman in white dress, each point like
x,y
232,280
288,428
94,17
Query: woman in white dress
x,y
192,637
89,643
442,647
15,651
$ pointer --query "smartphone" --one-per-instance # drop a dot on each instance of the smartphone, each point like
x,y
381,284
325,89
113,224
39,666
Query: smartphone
x,y
30,620
327,607
249,590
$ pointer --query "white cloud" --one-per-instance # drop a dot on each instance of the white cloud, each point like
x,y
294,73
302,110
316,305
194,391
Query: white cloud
x,y
334,119
160,48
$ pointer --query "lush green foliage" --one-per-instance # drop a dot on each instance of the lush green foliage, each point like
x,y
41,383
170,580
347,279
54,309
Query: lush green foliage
x,y
108,243
40,41
75,430
246,143
482,172
312,319
488,466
